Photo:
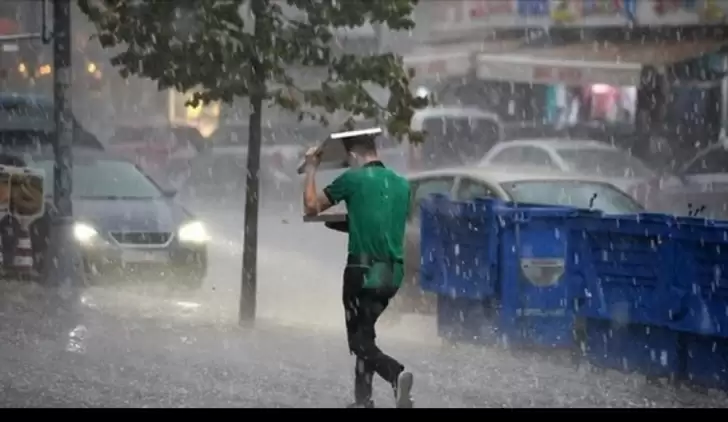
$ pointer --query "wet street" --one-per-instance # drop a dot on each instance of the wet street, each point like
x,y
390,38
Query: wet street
x,y
131,346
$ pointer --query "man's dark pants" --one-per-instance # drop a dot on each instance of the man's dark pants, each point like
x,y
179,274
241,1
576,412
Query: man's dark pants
x,y
362,307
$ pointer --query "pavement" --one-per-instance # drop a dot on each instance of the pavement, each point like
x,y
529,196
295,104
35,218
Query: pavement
x,y
150,346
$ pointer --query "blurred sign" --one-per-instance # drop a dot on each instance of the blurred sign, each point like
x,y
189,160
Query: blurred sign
x,y
467,19
8,26
541,70
204,117
435,65
591,12
551,74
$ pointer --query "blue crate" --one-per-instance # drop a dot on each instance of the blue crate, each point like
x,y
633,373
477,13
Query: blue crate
x,y
430,261
466,320
628,263
649,350
517,253
706,361
702,277
539,287
458,249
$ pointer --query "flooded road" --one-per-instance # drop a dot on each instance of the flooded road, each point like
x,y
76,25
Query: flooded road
x,y
137,346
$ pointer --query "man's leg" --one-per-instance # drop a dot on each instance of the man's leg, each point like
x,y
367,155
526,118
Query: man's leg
x,y
371,304
363,373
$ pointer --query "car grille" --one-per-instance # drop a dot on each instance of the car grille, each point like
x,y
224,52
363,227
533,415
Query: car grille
x,y
142,238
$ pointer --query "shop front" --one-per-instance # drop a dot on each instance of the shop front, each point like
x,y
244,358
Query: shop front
x,y
625,84
449,71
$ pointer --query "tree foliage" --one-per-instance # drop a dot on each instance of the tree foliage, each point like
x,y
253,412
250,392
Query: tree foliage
x,y
210,47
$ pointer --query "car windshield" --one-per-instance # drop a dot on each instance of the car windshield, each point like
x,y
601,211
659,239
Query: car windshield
x,y
105,179
605,162
573,193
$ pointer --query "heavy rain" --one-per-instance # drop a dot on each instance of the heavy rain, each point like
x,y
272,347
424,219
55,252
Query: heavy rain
x,y
567,179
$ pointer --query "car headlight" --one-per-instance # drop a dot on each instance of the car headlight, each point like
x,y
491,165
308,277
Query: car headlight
x,y
193,232
84,233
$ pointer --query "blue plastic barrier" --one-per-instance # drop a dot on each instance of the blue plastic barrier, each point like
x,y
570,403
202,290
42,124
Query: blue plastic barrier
x,y
706,360
539,288
458,249
652,288
627,262
702,273
649,350
518,255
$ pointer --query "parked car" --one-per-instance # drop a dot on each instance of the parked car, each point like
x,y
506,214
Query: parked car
x,y
28,122
126,224
699,186
505,183
580,156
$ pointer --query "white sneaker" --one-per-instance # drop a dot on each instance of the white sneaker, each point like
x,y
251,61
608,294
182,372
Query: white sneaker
x,y
403,390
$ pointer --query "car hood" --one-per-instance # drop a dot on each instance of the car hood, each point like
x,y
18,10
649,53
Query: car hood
x,y
157,215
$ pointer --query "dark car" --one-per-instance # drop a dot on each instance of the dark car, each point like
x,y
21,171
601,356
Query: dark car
x,y
27,121
126,224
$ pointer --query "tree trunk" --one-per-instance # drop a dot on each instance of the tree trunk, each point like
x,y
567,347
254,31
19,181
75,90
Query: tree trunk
x,y
249,285
249,282
62,261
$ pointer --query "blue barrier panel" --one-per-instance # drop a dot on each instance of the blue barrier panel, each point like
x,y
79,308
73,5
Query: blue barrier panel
x,y
430,255
649,350
706,361
702,273
628,266
458,249
518,254
539,290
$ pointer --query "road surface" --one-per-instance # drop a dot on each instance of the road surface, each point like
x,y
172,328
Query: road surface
x,y
130,346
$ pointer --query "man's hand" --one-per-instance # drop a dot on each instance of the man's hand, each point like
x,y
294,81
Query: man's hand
x,y
313,157
313,203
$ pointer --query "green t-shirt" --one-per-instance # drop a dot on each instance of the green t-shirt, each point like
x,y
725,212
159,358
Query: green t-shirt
x,y
377,202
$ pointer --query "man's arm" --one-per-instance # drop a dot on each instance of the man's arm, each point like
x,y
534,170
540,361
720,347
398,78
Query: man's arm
x,y
314,202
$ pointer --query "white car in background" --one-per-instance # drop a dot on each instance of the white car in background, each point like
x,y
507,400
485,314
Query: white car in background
x,y
572,156
698,187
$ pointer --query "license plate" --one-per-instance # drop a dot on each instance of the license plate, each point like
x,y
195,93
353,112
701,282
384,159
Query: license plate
x,y
135,257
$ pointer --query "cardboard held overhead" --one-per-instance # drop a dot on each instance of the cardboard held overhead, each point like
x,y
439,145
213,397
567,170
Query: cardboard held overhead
x,y
334,149
334,156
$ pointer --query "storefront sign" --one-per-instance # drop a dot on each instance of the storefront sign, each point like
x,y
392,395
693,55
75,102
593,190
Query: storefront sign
x,y
681,12
550,75
468,19
538,70
8,26
439,65
591,12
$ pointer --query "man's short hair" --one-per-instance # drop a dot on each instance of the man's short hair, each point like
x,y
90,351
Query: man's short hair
x,y
362,145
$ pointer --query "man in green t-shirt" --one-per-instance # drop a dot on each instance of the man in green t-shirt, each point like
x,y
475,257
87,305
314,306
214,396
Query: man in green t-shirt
x,y
377,202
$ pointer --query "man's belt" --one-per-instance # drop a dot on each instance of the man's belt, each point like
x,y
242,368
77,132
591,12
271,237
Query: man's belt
x,y
365,260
